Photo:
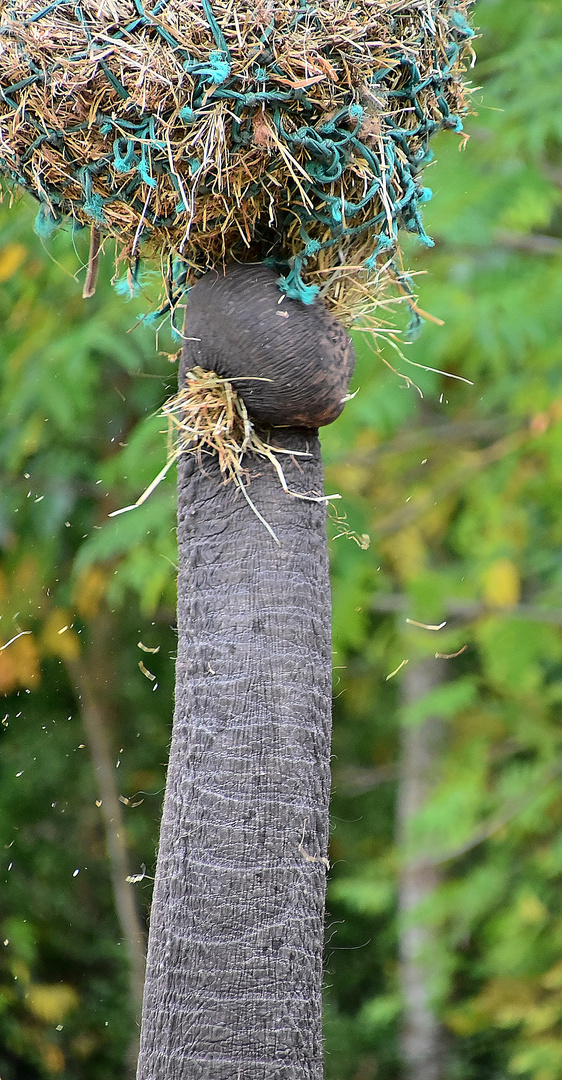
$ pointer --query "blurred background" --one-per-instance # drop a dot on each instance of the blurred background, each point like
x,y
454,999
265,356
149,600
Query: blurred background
x,y
444,936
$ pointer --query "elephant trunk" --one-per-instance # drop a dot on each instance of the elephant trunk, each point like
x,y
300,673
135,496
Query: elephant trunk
x,y
234,973
290,362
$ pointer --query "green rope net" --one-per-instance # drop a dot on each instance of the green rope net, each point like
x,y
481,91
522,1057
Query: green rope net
x,y
292,133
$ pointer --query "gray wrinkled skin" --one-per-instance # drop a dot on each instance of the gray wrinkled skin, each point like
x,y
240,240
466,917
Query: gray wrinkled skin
x,y
239,324
234,974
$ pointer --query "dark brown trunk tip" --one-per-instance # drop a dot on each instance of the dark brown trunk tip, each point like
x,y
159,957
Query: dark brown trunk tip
x,y
290,362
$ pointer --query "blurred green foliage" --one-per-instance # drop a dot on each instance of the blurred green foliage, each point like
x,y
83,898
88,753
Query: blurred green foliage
x,y
458,485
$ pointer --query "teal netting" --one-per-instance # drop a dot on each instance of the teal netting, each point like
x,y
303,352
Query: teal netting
x,y
135,153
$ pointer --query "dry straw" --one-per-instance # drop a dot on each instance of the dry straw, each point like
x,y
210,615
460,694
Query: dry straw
x,y
199,133
208,417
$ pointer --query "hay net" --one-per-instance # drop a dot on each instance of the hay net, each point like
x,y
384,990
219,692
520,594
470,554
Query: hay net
x,y
199,132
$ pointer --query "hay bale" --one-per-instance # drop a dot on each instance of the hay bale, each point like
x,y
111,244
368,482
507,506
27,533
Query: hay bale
x,y
200,132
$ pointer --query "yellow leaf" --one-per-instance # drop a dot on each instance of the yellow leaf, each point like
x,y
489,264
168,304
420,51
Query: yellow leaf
x,y
58,638
472,723
11,258
367,438
51,1002
351,477
84,1044
465,1020
435,521
53,1057
19,664
20,971
541,1018
89,590
531,909
503,1002
552,979
31,433
406,550
26,577
501,586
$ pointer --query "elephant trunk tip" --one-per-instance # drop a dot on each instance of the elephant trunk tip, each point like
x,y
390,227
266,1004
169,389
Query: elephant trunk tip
x,y
289,362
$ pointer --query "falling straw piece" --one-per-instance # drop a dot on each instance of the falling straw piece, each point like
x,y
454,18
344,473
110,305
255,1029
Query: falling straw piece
x,y
15,638
396,670
148,674
149,490
427,626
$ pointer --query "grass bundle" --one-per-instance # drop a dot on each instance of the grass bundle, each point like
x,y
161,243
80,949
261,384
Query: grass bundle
x,y
208,417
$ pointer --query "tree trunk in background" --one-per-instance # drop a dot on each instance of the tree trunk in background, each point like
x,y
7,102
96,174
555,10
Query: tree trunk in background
x,y
422,1038
234,972
92,677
